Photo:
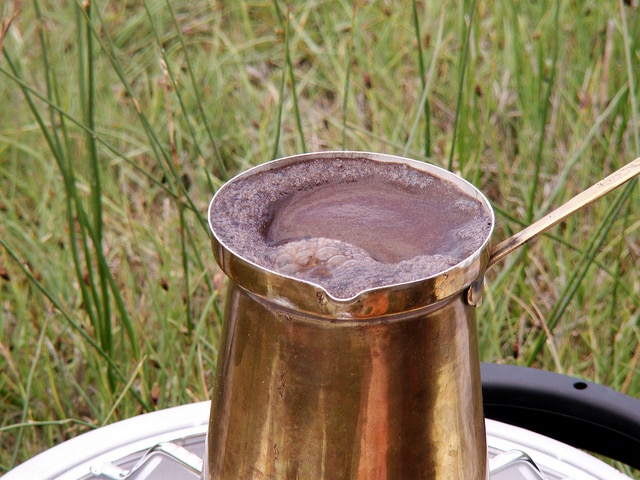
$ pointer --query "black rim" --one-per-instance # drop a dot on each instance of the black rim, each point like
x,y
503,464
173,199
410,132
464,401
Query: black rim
x,y
582,414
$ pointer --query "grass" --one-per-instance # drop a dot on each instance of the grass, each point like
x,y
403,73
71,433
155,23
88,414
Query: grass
x,y
120,120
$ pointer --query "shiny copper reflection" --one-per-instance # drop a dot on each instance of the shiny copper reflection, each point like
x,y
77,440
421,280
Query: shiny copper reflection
x,y
300,397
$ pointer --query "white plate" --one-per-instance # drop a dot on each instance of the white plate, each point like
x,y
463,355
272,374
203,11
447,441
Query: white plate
x,y
122,444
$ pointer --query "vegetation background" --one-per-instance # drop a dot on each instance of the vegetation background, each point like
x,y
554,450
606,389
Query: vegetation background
x,y
119,120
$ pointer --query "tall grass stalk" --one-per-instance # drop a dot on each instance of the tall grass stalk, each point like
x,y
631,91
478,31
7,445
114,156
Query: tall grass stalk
x,y
86,75
423,79
548,79
203,117
423,103
26,393
545,77
283,81
580,270
97,295
628,54
69,319
284,21
347,74
161,152
467,22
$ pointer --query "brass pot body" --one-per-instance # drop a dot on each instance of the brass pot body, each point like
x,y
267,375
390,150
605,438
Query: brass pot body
x,y
384,386
394,398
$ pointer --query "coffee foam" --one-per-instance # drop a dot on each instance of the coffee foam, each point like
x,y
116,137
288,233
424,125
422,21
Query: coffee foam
x,y
349,224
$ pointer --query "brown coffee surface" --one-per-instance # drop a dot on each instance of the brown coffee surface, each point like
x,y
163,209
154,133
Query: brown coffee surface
x,y
350,224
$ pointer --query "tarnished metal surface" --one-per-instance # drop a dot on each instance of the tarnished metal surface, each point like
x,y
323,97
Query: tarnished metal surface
x,y
298,396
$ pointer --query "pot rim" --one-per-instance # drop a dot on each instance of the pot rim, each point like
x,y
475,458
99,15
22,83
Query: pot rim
x,y
298,294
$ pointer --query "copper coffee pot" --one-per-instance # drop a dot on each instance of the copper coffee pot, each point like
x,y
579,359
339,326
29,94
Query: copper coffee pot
x,y
382,385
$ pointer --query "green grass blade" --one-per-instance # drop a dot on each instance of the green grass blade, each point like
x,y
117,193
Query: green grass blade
x,y
199,103
426,89
276,141
423,79
587,260
27,392
72,323
463,69
347,78
284,24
